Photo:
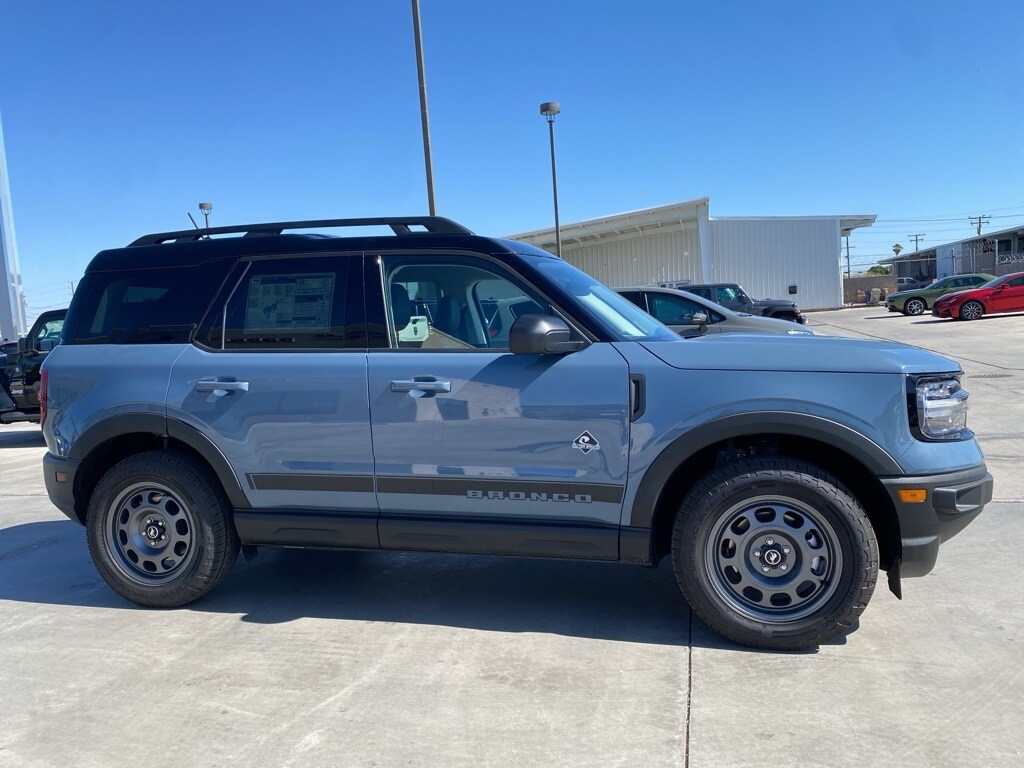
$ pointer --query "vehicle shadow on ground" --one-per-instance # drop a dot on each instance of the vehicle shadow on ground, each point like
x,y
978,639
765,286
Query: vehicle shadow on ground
x,y
21,438
48,562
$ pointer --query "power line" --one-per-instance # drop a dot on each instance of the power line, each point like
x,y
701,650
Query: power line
x,y
917,239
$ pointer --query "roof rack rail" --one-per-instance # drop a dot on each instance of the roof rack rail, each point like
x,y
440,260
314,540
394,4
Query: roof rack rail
x,y
400,225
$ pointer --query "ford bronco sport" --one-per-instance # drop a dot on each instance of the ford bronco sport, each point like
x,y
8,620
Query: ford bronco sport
x,y
429,389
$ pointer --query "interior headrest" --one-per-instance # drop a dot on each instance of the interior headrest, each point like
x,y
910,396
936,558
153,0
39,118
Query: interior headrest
x,y
448,314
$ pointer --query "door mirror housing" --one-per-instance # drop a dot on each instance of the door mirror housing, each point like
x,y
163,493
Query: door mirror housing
x,y
699,318
541,335
23,346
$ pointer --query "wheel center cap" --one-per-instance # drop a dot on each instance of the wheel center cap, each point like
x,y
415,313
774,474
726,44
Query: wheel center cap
x,y
772,556
152,532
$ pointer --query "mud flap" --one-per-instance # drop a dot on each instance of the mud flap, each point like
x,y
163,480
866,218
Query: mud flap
x,y
894,579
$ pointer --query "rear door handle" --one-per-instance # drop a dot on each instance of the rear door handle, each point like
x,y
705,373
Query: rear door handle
x,y
221,387
421,384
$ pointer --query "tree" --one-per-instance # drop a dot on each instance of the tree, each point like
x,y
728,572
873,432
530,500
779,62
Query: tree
x,y
897,248
878,269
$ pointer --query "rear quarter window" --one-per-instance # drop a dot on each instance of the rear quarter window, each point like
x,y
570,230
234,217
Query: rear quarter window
x,y
146,306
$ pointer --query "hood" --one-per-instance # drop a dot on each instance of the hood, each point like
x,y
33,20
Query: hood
x,y
773,303
742,322
778,352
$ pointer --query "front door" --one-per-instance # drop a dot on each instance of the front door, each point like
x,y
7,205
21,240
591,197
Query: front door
x,y
277,381
1011,297
478,449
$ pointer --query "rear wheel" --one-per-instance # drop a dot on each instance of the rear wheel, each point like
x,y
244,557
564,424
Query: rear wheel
x,y
972,310
159,530
914,307
774,553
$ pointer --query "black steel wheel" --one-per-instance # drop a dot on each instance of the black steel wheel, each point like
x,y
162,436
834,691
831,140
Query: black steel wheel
x,y
972,310
160,529
914,307
774,553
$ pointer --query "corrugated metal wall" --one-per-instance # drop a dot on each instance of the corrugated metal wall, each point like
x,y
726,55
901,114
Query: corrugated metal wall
x,y
639,260
766,256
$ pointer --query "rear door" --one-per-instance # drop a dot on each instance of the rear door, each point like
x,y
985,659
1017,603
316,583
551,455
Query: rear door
x,y
277,381
478,449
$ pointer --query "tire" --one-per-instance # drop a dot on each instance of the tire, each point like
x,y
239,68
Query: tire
x,y
914,307
160,530
802,525
972,310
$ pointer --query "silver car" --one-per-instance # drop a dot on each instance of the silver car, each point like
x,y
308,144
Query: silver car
x,y
690,315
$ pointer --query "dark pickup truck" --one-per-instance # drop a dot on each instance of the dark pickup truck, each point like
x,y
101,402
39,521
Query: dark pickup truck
x,y
19,373
732,296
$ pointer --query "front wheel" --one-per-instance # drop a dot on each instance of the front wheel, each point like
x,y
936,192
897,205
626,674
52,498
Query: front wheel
x,y
914,307
160,530
972,310
774,553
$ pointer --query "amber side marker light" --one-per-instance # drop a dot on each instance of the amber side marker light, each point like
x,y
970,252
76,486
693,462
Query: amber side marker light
x,y
61,477
913,495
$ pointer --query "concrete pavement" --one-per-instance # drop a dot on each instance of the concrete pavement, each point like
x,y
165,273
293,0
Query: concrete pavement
x,y
381,659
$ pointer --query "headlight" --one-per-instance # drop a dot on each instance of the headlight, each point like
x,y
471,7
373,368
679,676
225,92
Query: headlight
x,y
939,408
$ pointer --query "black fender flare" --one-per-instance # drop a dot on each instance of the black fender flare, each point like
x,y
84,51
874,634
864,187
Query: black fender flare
x,y
824,430
161,426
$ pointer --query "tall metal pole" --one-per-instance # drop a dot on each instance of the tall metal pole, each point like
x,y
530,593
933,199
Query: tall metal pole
x,y
424,119
549,109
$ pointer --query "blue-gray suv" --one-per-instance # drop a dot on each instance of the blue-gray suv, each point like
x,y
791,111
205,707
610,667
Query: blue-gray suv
x,y
429,389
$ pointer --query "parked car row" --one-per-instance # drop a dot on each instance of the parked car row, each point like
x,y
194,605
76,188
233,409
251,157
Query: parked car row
x,y
963,297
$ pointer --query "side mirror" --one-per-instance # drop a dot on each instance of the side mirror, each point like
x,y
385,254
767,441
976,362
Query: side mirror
x,y
541,335
23,346
46,345
699,318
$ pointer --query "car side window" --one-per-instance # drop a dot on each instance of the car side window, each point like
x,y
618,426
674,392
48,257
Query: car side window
x,y
674,310
637,297
453,303
1015,283
49,335
306,303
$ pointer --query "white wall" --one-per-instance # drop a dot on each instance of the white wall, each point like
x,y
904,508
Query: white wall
x,y
766,256
639,258
12,312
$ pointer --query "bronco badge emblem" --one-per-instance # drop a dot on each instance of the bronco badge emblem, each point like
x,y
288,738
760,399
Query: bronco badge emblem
x,y
586,443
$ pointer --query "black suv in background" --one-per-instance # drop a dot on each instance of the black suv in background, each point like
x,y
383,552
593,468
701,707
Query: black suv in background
x,y
19,368
732,296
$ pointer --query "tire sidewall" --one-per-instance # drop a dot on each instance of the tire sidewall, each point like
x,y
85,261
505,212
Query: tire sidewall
x,y
694,570
967,304
114,483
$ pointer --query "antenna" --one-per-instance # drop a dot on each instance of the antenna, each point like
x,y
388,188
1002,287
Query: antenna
x,y
192,220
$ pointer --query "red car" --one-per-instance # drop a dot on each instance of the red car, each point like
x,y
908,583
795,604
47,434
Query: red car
x,y
1004,294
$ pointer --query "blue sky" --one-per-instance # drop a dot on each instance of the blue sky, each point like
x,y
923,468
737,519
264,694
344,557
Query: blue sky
x,y
121,116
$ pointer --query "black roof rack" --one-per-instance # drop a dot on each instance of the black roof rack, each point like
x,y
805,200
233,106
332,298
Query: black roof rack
x,y
400,225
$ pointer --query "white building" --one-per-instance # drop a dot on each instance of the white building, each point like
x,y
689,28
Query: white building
x,y
12,307
795,257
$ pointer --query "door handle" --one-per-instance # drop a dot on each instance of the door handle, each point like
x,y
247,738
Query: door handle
x,y
220,387
420,384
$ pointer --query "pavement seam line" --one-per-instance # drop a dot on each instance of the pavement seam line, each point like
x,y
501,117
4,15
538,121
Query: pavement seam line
x,y
689,688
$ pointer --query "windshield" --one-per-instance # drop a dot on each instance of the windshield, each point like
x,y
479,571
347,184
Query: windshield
x,y
619,316
994,283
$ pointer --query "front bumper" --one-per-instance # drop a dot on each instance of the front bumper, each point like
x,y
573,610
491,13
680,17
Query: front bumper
x,y
61,492
946,311
953,500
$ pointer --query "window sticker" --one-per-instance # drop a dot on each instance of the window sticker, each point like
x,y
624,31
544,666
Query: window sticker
x,y
281,302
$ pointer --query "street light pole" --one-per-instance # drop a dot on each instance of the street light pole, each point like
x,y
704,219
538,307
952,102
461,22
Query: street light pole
x,y
424,119
206,209
549,109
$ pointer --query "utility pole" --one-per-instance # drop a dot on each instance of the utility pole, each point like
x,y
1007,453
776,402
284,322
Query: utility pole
x,y
848,255
916,238
424,117
979,220
71,285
